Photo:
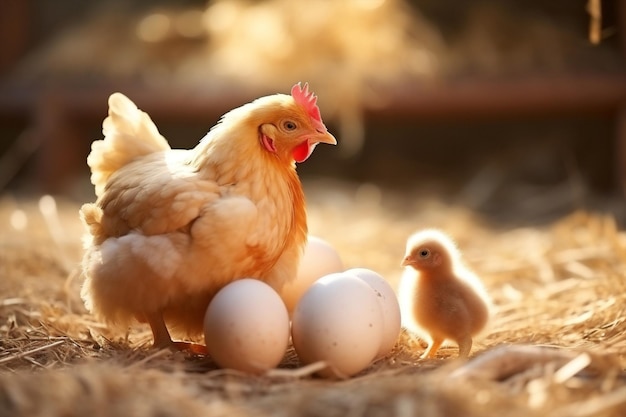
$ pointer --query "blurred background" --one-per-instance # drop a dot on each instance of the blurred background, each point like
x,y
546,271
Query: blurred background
x,y
502,105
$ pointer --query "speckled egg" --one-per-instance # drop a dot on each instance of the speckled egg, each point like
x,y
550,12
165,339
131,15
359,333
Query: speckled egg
x,y
389,306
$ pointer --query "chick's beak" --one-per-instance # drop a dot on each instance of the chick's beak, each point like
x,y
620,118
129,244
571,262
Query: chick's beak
x,y
406,261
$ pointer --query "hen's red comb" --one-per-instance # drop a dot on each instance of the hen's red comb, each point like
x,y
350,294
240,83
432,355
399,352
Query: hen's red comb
x,y
306,99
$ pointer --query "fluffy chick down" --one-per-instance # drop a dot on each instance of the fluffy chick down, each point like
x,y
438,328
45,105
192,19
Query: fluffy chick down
x,y
440,298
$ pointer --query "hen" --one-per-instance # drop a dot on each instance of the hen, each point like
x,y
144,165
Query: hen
x,y
171,227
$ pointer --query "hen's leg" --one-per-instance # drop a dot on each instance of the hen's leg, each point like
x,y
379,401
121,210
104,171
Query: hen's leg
x,y
160,334
162,338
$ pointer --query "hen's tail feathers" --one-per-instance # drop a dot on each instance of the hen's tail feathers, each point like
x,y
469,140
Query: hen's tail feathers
x,y
128,134
91,215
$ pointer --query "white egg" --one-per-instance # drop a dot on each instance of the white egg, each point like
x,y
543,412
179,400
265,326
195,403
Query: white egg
x,y
338,320
319,259
246,327
389,306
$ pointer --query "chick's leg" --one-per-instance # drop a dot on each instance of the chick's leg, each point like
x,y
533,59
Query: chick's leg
x,y
432,349
163,340
465,345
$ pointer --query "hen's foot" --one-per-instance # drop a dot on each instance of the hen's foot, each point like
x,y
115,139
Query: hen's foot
x,y
162,339
193,348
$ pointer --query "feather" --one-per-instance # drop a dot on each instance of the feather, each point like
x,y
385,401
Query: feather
x,y
128,133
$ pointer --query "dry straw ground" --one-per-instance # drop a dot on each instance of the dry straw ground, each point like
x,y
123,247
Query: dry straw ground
x,y
556,347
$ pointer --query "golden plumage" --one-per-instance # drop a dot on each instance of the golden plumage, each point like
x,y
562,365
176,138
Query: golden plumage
x,y
171,227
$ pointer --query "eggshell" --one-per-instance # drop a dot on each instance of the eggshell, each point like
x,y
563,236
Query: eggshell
x,y
389,306
246,327
338,320
319,259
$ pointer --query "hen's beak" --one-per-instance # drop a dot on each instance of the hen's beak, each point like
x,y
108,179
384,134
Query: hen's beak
x,y
324,137
406,261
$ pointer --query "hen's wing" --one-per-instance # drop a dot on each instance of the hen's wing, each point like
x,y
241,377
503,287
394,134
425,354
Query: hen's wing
x,y
157,194
160,194
157,220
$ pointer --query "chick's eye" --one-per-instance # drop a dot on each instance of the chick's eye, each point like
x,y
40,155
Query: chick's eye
x,y
289,125
424,253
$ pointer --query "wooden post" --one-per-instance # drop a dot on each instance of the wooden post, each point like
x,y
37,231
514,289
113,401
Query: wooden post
x,y
14,31
620,128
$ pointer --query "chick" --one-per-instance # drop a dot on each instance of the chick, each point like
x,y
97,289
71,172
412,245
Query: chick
x,y
440,298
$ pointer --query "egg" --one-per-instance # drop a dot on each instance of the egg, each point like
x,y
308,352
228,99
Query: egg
x,y
388,302
319,259
246,327
338,320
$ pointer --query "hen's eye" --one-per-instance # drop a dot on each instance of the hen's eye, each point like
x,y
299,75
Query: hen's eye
x,y
289,125
424,253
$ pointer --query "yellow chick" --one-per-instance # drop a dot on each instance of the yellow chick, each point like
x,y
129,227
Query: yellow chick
x,y
440,299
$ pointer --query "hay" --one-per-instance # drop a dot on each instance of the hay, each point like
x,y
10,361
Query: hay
x,y
556,347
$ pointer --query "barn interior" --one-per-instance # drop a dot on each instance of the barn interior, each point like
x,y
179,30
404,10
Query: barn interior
x,y
500,122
